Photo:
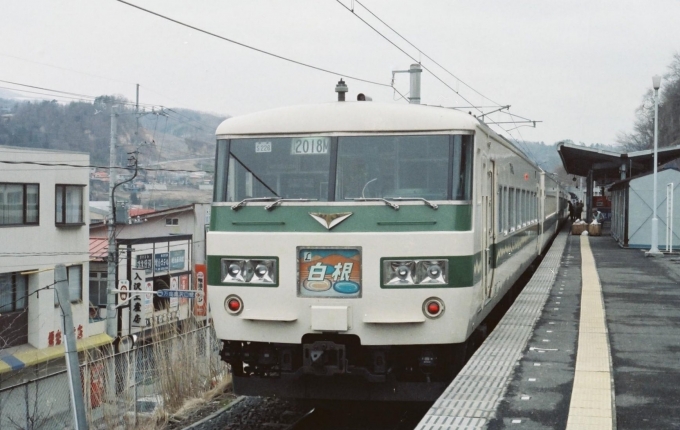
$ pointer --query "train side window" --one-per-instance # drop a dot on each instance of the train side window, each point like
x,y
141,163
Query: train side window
x,y
535,212
525,207
512,207
508,209
461,160
520,208
501,209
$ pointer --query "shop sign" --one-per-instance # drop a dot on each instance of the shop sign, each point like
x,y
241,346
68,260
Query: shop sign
x,y
161,262
141,306
144,261
177,260
201,304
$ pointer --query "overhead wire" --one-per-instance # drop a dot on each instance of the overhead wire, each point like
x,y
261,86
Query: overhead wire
x,y
67,69
478,108
424,54
262,51
98,167
403,51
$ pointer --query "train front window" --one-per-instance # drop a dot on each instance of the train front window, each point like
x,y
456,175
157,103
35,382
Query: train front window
x,y
433,167
286,167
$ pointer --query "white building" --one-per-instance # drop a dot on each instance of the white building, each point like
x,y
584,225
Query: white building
x,y
43,222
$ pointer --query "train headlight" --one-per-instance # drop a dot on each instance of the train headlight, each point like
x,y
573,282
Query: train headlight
x,y
233,270
249,271
415,272
264,271
432,272
398,272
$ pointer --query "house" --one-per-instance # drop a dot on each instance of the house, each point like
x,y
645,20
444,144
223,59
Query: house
x,y
43,222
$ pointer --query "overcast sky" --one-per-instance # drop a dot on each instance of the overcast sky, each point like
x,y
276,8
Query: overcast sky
x,y
581,67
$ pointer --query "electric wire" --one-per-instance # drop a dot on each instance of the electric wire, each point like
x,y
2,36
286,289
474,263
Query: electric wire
x,y
78,96
64,68
431,59
101,167
425,55
280,57
405,53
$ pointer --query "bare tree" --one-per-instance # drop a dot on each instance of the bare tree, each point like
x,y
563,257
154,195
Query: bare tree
x,y
642,136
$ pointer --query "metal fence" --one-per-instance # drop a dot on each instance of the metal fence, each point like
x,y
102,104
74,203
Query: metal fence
x,y
122,390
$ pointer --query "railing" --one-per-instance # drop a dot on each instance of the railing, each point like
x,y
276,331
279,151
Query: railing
x,y
121,389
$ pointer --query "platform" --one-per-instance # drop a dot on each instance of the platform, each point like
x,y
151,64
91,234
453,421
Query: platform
x,y
592,342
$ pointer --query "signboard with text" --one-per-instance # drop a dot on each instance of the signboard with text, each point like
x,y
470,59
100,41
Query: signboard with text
x,y
177,260
201,303
161,262
141,305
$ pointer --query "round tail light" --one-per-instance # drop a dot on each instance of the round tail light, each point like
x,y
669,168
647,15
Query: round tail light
x,y
433,307
233,304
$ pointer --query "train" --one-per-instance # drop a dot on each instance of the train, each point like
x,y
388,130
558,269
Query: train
x,y
356,248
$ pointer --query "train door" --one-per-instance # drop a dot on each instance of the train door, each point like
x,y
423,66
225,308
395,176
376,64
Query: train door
x,y
488,234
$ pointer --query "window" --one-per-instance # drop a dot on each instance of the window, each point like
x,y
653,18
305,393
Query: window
x,y
19,204
434,167
13,292
513,209
69,204
171,221
13,309
98,284
74,276
501,209
286,167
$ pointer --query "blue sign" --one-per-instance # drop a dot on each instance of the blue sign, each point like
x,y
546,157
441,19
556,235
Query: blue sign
x,y
183,294
161,262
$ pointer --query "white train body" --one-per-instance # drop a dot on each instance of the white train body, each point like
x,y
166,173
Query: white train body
x,y
429,216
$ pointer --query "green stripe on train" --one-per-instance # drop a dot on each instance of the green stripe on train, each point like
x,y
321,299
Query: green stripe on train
x,y
464,271
363,219
505,248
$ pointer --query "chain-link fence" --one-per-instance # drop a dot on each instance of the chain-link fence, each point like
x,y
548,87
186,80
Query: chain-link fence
x,y
125,390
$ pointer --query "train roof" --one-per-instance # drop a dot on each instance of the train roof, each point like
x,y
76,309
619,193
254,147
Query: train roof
x,y
348,117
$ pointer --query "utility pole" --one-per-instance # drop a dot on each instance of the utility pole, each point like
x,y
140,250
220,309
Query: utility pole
x,y
71,350
111,313
137,116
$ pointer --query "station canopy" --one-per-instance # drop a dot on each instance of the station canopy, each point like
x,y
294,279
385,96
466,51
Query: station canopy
x,y
607,166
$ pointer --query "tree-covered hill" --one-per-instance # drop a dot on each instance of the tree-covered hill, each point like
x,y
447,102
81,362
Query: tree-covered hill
x,y
162,134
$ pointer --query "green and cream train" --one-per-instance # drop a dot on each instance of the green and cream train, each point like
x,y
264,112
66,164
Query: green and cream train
x,y
355,247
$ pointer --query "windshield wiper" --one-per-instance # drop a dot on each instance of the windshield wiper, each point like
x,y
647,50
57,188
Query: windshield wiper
x,y
277,202
415,199
244,202
375,199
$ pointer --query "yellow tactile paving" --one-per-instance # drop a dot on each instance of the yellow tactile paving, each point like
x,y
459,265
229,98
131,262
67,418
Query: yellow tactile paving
x,y
594,380
591,404
585,422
